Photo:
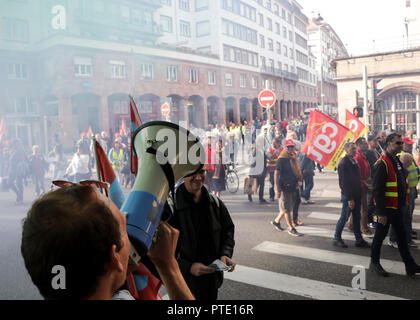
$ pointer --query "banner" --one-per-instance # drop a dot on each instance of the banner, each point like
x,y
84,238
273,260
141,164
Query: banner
x,y
325,139
355,125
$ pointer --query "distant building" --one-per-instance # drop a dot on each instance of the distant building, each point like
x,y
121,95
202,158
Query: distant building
x,y
68,65
325,45
412,23
397,101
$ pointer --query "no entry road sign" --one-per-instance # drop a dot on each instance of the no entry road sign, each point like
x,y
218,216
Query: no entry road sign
x,y
165,109
267,98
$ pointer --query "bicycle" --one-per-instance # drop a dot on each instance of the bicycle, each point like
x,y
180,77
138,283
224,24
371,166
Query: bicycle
x,y
232,179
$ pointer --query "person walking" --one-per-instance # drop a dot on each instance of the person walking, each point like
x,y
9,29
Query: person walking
x,y
273,155
206,233
390,192
288,178
308,172
116,157
413,175
37,167
58,162
219,176
17,170
351,195
78,169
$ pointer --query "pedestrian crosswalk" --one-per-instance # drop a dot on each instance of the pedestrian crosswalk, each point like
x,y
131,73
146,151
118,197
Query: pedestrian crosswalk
x,y
306,287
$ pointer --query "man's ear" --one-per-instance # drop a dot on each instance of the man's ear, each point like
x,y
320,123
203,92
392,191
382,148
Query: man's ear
x,y
116,259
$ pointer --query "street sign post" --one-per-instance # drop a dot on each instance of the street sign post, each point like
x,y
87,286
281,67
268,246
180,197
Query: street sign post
x,y
267,99
165,109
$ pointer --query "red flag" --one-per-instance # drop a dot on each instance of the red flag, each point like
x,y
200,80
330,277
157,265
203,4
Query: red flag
x,y
325,139
107,174
2,128
123,130
355,125
143,285
135,123
90,131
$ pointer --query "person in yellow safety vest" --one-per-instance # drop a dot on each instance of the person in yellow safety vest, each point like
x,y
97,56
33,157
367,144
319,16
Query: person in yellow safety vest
x,y
390,192
273,154
412,179
116,157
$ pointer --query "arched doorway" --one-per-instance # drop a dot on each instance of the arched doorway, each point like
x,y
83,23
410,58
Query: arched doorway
x,y
85,111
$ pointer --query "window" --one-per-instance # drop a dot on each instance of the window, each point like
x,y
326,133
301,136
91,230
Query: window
x,y
22,105
254,82
167,2
261,19
286,67
83,67
240,55
239,31
289,17
166,23
285,51
268,4
203,28
193,75
283,14
146,71
171,73
15,30
118,69
270,45
185,28
262,41
279,66
262,61
228,78
278,28
18,71
184,5
284,32
278,47
291,53
212,77
290,35
272,65
270,24
242,80
276,9
201,5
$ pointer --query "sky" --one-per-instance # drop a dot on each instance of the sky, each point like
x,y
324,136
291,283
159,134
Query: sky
x,y
364,26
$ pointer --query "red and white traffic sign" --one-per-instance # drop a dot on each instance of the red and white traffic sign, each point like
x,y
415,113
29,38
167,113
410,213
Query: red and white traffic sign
x,y
267,98
165,109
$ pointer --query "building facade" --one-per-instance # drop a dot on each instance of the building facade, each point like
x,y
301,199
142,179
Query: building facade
x,y
325,45
76,68
397,102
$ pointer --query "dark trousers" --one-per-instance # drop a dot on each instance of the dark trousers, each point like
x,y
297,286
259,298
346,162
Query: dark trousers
x,y
345,214
396,220
371,206
204,287
296,207
17,187
308,184
272,194
261,183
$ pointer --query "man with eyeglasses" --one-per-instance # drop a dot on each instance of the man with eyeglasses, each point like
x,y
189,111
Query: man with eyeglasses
x,y
390,192
206,234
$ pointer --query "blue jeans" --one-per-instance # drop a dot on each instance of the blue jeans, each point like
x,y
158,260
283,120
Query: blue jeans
x,y
308,184
345,214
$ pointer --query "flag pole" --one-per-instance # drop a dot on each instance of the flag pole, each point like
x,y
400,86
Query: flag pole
x,y
95,152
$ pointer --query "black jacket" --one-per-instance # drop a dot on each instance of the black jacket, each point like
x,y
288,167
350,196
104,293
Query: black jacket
x,y
379,181
349,179
221,229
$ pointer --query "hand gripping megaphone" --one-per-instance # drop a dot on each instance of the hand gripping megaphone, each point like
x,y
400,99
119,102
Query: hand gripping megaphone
x,y
166,153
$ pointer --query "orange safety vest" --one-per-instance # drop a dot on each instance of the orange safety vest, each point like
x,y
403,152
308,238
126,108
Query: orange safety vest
x,y
391,187
271,164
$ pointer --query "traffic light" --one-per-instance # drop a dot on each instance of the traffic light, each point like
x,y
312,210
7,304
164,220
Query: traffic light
x,y
375,88
358,112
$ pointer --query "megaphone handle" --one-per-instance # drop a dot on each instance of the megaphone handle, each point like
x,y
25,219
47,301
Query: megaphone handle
x,y
167,170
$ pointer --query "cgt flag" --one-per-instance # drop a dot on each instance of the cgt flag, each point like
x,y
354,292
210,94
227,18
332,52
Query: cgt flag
x,y
355,125
135,123
325,139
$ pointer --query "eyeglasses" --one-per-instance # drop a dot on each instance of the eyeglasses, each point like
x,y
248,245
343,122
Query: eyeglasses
x,y
400,143
91,183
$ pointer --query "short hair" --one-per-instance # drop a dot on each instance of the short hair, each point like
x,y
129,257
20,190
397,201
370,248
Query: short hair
x,y
348,145
390,138
68,227
360,140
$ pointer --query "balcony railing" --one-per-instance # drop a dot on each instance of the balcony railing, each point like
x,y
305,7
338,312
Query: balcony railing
x,y
279,73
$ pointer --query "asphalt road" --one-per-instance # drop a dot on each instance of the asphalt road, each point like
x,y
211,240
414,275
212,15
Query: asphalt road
x,y
272,265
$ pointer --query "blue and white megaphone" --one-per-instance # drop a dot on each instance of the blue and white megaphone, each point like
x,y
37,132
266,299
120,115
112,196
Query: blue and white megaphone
x,y
166,153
